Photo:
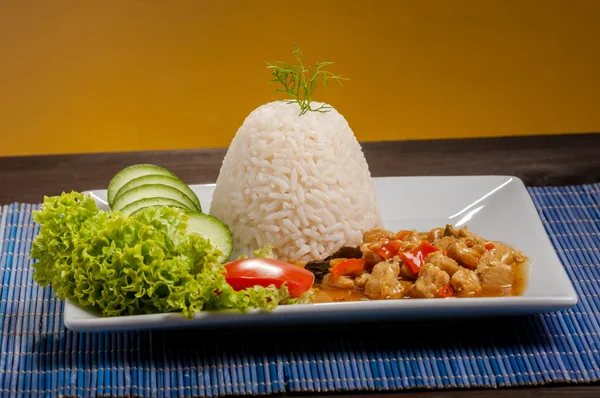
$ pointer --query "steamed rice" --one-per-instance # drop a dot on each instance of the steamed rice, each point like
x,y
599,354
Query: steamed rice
x,y
300,183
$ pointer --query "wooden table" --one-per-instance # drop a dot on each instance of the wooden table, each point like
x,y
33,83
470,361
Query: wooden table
x,y
541,160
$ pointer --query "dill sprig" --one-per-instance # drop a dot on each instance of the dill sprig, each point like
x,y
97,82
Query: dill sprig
x,y
301,83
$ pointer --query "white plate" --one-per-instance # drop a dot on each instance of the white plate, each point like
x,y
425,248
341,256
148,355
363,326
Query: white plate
x,y
495,207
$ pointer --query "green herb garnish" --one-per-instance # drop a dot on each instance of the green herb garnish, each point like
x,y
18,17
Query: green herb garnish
x,y
301,83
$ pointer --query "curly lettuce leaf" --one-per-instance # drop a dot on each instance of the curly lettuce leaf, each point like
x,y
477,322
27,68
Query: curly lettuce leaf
x,y
263,252
134,264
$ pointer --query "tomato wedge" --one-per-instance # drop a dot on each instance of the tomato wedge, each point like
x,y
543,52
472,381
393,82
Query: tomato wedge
x,y
249,272
350,267
415,258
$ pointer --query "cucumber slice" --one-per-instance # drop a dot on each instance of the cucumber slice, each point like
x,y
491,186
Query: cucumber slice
x,y
162,180
143,203
128,174
214,230
153,191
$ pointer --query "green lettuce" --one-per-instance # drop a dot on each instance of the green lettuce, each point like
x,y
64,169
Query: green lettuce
x,y
134,264
264,252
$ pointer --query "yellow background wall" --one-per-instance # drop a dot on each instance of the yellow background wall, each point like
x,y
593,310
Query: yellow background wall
x,y
84,76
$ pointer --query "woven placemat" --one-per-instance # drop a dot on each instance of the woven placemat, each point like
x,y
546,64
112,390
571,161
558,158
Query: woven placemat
x,y
38,356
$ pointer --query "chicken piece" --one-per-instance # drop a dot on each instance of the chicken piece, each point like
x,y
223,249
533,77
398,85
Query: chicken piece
x,y
371,258
383,282
476,239
473,240
341,282
465,282
435,234
406,273
430,281
410,241
463,254
480,248
500,254
376,235
499,277
445,263
496,268
406,287
361,280
444,243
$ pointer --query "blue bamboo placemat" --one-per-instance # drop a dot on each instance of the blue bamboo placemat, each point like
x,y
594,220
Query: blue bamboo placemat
x,y
39,357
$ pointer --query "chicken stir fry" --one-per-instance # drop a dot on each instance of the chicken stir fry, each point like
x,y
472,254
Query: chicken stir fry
x,y
441,263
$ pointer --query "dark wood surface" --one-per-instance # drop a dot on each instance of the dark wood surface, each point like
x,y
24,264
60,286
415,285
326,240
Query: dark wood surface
x,y
541,160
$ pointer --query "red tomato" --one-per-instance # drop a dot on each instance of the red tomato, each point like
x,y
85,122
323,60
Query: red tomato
x,y
242,274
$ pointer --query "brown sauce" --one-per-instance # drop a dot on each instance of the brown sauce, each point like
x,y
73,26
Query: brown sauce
x,y
331,295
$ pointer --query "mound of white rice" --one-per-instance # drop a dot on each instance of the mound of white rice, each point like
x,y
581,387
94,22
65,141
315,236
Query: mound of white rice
x,y
300,183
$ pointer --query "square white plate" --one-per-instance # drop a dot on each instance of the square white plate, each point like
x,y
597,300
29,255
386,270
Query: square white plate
x,y
496,207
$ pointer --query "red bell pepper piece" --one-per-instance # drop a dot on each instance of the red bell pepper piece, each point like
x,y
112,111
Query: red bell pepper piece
x,y
489,245
389,250
415,258
446,291
350,267
381,252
